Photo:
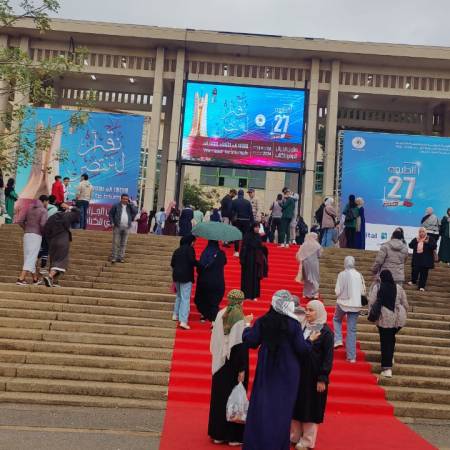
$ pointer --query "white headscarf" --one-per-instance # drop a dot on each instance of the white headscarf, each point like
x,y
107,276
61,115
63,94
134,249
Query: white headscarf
x,y
321,317
309,247
221,343
283,302
329,201
349,264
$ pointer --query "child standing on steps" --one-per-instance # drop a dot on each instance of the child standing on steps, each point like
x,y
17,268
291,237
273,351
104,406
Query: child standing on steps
x,y
183,264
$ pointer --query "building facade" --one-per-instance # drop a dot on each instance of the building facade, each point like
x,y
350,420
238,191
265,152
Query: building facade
x,y
142,70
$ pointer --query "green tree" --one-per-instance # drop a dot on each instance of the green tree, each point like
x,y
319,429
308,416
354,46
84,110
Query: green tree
x,y
19,74
198,196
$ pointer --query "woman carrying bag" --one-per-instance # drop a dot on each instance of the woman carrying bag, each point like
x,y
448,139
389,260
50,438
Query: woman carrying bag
x,y
388,308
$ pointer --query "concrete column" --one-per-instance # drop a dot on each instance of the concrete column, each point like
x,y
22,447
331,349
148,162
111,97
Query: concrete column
x,y
165,153
175,128
311,143
154,130
331,128
274,185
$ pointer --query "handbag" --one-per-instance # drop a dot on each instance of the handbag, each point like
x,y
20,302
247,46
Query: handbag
x,y
364,301
374,311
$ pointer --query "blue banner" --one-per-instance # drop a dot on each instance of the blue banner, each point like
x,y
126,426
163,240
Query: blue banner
x,y
107,148
398,176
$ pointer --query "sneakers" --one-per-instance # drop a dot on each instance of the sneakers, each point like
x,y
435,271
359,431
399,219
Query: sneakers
x,y
174,317
386,373
38,283
234,444
48,281
215,441
184,326
338,344
410,283
421,289
351,361
236,254
20,282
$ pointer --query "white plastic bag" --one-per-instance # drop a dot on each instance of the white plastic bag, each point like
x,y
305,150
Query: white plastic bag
x,y
262,232
237,405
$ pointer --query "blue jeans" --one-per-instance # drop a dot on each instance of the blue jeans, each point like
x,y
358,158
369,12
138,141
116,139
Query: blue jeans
x,y
352,320
183,301
83,206
327,237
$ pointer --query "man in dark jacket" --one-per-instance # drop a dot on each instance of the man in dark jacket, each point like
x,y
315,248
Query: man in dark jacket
x,y
183,264
242,212
288,210
121,215
226,207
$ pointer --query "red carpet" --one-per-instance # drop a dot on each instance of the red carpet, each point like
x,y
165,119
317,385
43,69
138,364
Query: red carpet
x,y
357,416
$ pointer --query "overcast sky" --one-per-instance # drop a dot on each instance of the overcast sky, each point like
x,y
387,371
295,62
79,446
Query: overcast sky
x,y
399,21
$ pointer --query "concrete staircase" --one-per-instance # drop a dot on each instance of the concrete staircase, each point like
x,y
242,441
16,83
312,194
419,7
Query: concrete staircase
x,y
104,338
420,388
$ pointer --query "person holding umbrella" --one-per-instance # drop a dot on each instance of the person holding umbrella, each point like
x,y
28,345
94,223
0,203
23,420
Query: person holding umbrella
x,y
211,277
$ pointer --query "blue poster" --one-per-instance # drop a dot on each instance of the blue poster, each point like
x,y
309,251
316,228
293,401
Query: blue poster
x,y
243,125
398,176
107,148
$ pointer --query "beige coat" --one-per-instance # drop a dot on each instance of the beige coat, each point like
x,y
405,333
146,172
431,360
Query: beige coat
x,y
392,256
388,318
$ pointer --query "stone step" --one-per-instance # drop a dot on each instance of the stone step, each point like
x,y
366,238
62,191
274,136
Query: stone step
x,y
92,361
418,395
31,398
402,357
416,382
85,349
82,327
416,342
418,349
414,370
86,338
91,388
423,410
431,329
83,374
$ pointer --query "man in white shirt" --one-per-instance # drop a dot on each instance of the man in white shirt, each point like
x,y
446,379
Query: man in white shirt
x,y
84,195
121,216
255,205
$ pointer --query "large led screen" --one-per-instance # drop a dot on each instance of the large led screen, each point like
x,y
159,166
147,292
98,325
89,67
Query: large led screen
x,y
236,125
399,176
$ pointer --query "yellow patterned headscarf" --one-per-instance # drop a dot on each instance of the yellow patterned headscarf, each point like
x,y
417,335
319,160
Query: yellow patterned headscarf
x,y
234,312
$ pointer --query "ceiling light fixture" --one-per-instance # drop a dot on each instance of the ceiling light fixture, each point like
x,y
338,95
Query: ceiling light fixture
x,y
355,97
93,77
86,62
132,80
408,85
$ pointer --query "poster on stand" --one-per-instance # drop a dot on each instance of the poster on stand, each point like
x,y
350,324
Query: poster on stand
x,y
107,148
398,176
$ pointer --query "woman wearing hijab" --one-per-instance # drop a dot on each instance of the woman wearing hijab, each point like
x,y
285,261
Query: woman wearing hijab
x,y
186,218
253,258
282,347
316,367
309,268
394,307
328,223
392,256
215,216
210,281
360,235
444,248
183,263
431,223
351,212
349,288
171,220
229,367
424,248
142,223
10,200
58,235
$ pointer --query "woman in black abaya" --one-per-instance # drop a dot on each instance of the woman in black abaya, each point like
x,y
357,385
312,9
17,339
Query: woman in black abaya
x,y
211,281
253,258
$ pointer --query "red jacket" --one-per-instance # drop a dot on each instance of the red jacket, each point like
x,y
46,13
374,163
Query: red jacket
x,y
58,192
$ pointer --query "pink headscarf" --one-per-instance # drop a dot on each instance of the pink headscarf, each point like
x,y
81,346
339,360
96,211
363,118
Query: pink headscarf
x,y
172,205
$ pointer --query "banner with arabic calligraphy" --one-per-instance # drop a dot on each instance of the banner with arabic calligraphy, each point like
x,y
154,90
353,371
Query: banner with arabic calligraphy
x,y
239,125
107,148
